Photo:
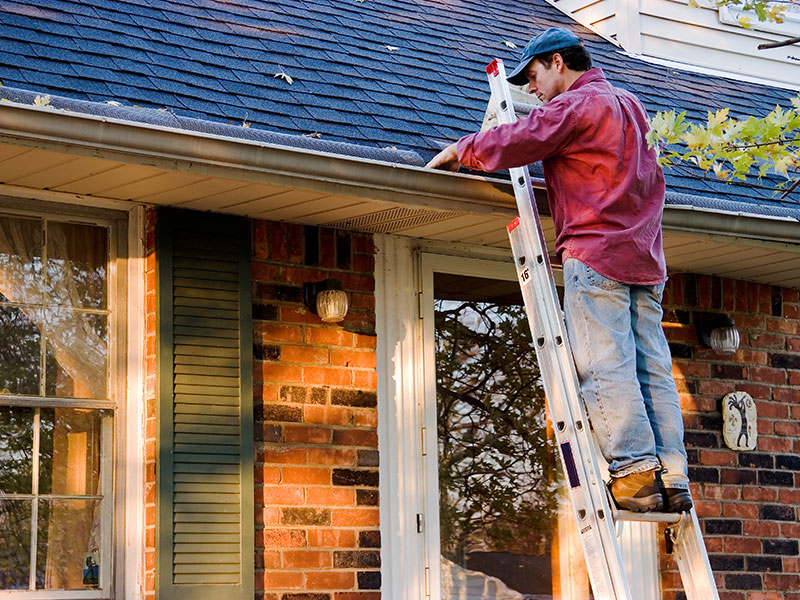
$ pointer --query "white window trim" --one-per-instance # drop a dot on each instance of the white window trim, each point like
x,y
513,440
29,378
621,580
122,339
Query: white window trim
x,y
404,286
128,543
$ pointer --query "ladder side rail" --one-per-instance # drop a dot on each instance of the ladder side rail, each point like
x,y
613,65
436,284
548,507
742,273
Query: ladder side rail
x,y
590,503
692,559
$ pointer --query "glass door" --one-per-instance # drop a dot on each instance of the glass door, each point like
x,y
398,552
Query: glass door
x,y
492,478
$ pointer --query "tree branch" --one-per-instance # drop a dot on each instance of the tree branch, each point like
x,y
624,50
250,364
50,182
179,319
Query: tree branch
x,y
788,42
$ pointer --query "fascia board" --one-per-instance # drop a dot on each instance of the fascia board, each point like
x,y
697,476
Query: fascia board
x,y
213,155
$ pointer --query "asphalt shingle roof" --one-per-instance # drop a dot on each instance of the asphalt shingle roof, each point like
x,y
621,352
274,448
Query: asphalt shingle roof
x,y
378,73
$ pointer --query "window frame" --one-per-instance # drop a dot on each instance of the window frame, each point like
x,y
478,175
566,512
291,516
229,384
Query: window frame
x,y
114,471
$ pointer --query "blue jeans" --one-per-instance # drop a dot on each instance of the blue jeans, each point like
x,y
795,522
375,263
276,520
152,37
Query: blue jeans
x,y
625,372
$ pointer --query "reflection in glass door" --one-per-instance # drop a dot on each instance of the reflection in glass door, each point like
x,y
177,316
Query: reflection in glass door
x,y
498,486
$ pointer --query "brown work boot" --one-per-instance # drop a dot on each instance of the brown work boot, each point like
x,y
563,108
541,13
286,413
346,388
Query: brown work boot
x,y
677,500
637,492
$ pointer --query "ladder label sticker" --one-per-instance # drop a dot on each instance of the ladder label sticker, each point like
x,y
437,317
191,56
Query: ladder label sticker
x,y
525,276
569,465
513,225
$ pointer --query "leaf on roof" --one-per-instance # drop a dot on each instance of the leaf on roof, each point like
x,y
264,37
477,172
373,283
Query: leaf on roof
x,y
113,103
314,134
283,75
41,101
392,48
509,44
390,148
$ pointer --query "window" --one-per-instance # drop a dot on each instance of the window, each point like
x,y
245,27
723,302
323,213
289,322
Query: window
x,y
790,27
58,401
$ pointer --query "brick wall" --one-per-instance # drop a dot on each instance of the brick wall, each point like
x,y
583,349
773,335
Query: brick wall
x,y
316,495
747,501
151,399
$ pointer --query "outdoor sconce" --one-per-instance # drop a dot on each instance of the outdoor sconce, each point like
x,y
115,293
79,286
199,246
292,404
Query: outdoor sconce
x,y
327,299
718,332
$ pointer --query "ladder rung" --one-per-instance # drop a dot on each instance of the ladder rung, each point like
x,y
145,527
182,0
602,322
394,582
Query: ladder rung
x,y
647,517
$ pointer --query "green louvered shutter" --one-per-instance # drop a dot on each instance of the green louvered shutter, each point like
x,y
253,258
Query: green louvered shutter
x,y
205,452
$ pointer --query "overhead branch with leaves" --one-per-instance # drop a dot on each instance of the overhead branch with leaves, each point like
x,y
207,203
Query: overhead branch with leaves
x,y
732,149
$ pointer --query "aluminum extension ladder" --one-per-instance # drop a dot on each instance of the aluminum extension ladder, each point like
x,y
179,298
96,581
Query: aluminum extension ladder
x,y
598,519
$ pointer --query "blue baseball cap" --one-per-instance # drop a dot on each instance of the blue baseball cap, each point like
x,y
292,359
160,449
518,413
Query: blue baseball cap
x,y
555,38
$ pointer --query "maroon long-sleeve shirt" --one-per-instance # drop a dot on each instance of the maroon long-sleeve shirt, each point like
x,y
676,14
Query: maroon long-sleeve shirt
x,y
604,185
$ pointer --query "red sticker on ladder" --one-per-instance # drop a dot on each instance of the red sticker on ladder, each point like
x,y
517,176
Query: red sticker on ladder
x,y
513,225
493,68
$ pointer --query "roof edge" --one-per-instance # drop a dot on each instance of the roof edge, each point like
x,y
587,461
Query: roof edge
x,y
221,156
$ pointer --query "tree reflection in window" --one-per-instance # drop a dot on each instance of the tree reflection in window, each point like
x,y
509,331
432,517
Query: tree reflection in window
x,y
497,479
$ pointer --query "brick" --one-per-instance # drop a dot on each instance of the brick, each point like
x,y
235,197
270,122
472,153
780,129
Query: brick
x,y
358,596
783,582
260,239
369,342
767,340
761,528
772,410
268,475
306,516
775,478
740,581
714,388
777,512
369,539
327,496
293,393
268,332
781,547
307,559
719,458
305,596
742,545
281,412
266,352
326,376
352,477
286,580
367,498
353,358
298,314
339,415
330,580
759,494
329,336
260,271
281,373
789,428
305,355
306,434
355,517
350,559
707,509
774,444
284,538
754,459
307,475
368,458
784,361
331,456
369,580
723,526
737,476
354,398
355,438
283,494
331,538
728,372
726,562
740,510
708,475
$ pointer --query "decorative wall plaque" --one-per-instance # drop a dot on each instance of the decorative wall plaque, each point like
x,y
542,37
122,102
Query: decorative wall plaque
x,y
739,421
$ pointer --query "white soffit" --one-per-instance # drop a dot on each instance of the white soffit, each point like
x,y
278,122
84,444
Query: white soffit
x,y
27,171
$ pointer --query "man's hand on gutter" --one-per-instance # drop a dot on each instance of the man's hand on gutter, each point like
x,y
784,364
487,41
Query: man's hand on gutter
x,y
446,160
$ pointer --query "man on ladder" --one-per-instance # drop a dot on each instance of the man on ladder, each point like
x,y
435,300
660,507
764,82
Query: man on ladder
x,y
606,194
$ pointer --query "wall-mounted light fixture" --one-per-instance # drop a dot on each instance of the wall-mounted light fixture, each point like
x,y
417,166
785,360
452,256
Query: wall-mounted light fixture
x,y
327,299
718,332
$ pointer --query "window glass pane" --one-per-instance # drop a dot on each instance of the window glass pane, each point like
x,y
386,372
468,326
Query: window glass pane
x,y
20,260
15,544
16,450
76,264
68,535
498,484
77,354
69,451
20,350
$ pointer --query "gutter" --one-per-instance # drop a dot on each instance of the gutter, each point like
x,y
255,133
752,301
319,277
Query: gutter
x,y
260,162
274,164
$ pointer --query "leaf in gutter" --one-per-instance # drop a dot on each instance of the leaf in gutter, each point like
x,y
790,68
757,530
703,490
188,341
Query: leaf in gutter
x,y
113,103
282,75
509,44
41,101
314,135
